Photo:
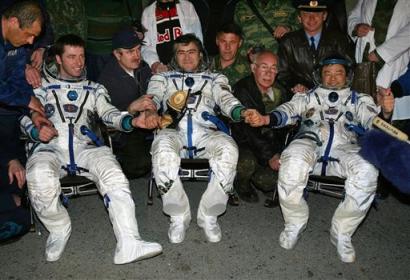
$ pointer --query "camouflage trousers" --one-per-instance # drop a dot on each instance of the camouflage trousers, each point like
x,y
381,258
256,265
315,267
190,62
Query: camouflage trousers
x,y
251,173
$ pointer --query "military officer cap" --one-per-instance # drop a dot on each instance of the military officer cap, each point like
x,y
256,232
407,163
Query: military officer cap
x,y
311,6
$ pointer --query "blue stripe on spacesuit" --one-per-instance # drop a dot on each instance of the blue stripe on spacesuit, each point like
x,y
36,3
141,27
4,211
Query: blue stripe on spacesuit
x,y
282,118
328,147
354,97
86,131
72,167
189,135
216,121
358,129
59,87
89,88
53,87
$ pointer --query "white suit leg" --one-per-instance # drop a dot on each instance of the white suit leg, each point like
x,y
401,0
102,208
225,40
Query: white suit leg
x,y
222,152
297,161
166,162
43,172
114,187
360,188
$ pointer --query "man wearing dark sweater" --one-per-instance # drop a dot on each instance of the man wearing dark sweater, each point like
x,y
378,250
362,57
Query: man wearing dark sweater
x,y
259,148
126,78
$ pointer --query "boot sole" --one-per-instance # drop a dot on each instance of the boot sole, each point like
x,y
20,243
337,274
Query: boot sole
x,y
143,257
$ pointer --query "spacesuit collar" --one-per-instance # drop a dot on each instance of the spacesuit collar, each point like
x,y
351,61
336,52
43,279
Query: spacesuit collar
x,y
51,70
323,90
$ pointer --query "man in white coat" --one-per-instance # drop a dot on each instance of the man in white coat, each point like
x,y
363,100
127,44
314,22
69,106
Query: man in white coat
x,y
365,26
165,21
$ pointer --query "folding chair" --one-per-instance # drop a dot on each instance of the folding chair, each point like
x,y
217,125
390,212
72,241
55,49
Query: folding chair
x,y
190,170
75,185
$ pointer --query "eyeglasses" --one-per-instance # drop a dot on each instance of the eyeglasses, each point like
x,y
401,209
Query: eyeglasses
x,y
188,52
265,68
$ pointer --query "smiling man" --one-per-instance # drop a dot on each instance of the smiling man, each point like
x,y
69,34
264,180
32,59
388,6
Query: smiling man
x,y
20,25
331,118
301,51
126,78
259,148
188,95
72,104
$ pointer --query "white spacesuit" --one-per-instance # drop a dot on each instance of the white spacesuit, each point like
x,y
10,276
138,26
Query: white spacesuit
x,y
192,136
326,145
72,106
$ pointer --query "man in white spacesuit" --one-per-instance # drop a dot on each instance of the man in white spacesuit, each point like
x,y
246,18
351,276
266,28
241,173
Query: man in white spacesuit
x,y
188,96
332,115
67,147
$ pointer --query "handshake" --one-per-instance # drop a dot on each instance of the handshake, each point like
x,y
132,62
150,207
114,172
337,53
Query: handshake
x,y
254,118
145,113
146,116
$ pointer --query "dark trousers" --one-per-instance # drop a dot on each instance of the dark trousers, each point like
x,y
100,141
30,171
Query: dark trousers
x,y
133,152
14,221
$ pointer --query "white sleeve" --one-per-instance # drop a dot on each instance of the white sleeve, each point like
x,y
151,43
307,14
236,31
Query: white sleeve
x,y
354,18
157,87
110,115
292,110
149,49
395,46
366,110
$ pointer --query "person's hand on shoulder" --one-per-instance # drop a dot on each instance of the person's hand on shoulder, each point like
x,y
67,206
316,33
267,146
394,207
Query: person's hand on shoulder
x,y
158,67
33,76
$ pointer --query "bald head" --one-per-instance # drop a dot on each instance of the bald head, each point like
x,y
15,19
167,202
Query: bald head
x,y
264,69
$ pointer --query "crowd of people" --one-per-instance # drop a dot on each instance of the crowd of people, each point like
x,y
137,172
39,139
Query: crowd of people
x,y
140,67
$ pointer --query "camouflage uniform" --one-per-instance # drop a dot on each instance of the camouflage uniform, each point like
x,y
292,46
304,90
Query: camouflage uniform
x,y
234,72
67,16
107,17
276,12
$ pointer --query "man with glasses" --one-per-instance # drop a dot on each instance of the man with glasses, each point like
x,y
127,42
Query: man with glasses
x,y
259,148
331,118
300,51
190,96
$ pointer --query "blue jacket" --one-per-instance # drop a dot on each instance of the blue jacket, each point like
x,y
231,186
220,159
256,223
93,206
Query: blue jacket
x,y
14,89
401,86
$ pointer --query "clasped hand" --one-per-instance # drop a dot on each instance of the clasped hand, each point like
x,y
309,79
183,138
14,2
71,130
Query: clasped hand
x,y
254,118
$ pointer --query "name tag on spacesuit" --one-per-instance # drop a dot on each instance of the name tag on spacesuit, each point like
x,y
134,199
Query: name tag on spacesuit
x,y
193,101
70,108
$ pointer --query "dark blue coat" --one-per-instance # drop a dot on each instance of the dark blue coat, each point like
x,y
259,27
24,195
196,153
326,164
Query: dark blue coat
x,y
14,89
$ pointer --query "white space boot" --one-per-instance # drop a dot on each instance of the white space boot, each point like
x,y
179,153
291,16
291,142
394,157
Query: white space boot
x,y
211,228
344,246
130,246
56,243
177,228
290,235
